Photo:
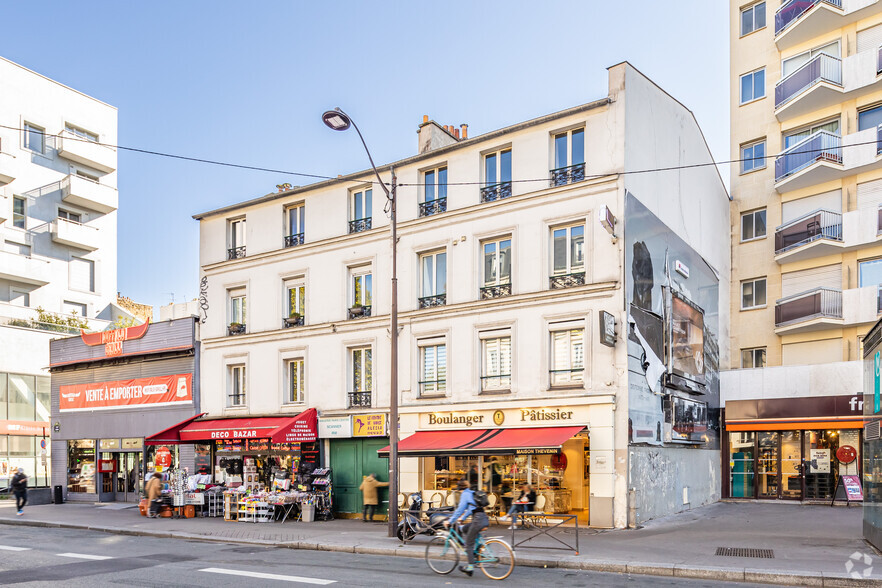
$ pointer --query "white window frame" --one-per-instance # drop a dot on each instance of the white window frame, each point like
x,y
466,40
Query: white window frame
x,y
364,276
81,306
299,212
362,355
570,268
752,8
366,195
23,215
753,214
67,214
26,138
238,305
435,183
234,224
437,386
434,290
18,292
295,393
753,282
81,132
498,165
93,275
298,285
754,97
755,163
569,150
811,53
572,374
490,344
754,353
497,261
237,385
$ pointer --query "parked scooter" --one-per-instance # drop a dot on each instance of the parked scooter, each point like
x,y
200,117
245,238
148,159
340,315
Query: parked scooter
x,y
413,524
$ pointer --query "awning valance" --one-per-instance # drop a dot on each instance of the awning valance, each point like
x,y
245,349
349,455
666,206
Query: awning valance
x,y
172,435
284,429
526,440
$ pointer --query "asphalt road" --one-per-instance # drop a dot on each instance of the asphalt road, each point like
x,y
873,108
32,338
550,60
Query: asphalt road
x,y
35,556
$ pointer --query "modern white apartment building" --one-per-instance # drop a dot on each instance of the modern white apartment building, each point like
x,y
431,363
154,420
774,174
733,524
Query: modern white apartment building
x,y
561,320
806,109
58,202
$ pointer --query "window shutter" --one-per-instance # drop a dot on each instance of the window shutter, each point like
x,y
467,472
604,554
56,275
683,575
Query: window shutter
x,y
560,350
794,209
829,276
82,274
869,39
505,356
869,196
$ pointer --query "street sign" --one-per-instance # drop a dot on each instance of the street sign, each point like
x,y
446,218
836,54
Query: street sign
x,y
43,445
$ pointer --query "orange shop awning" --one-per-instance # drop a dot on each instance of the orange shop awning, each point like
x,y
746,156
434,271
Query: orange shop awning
x,y
527,440
288,429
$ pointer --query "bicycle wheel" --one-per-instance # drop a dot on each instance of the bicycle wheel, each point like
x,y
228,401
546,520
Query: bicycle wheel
x,y
496,559
441,555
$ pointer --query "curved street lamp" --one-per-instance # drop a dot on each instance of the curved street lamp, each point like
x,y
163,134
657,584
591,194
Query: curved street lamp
x,y
338,120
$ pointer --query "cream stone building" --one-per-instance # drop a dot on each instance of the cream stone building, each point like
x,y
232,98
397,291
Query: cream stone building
x,y
806,109
561,322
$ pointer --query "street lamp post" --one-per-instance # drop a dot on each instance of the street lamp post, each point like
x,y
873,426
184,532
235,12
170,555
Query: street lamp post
x,y
339,121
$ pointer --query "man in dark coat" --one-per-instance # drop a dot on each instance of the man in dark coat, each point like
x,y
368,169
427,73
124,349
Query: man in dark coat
x,y
20,489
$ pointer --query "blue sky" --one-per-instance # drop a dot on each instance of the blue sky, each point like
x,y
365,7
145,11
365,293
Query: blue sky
x,y
247,82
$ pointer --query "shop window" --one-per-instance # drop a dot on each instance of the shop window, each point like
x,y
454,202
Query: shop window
x,y
496,364
567,357
81,466
742,466
753,358
296,376
22,397
236,385
433,370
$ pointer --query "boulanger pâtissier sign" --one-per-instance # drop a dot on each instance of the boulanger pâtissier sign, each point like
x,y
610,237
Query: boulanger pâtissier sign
x,y
505,417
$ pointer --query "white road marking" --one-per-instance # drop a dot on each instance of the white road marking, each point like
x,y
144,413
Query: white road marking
x,y
83,556
13,548
264,576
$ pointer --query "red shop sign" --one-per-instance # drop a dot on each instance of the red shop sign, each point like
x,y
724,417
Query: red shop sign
x,y
846,454
106,465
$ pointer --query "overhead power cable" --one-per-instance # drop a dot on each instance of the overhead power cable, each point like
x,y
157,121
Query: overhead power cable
x,y
816,151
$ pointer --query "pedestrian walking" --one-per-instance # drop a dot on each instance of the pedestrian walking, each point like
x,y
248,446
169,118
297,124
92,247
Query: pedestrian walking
x,y
20,489
153,489
370,500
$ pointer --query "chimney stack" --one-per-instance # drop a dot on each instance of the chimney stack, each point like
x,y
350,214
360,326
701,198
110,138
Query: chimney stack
x,y
425,118
456,134
465,131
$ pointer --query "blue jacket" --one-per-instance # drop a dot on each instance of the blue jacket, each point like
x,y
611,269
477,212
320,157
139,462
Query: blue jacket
x,y
466,500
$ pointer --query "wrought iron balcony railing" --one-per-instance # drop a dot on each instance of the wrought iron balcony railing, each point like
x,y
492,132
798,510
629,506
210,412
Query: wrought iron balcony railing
x,y
805,306
236,252
791,11
820,146
488,292
431,301
358,312
292,321
433,206
236,329
430,388
566,281
572,376
820,224
294,240
500,382
495,192
359,399
568,175
821,68
359,225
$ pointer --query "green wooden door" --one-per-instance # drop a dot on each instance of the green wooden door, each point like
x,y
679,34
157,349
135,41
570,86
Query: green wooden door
x,y
346,475
370,463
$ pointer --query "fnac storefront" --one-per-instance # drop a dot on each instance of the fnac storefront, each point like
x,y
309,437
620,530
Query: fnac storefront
x,y
791,448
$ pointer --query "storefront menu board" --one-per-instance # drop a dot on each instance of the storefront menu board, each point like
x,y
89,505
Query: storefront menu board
x,y
853,488
819,461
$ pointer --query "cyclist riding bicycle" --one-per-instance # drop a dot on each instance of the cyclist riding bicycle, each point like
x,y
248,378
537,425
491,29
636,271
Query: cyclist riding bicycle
x,y
467,506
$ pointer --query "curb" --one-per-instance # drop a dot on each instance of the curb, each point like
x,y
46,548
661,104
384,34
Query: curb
x,y
786,578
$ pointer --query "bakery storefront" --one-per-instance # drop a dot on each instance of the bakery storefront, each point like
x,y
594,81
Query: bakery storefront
x,y
791,448
500,450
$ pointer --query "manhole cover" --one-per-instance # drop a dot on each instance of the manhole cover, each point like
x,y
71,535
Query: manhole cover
x,y
745,552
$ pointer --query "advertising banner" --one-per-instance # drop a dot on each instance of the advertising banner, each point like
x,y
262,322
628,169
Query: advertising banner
x,y
28,428
369,425
156,391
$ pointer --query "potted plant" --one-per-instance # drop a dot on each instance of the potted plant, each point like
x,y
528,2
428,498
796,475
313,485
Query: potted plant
x,y
236,328
295,319
357,309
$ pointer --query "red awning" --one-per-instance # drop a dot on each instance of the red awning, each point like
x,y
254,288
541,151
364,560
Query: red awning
x,y
172,435
291,429
485,441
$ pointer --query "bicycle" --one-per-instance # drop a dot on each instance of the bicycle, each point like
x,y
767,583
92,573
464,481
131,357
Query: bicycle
x,y
493,555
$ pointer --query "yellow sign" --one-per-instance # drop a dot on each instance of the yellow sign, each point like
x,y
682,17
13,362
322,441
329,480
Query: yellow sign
x,y
369,425
498,418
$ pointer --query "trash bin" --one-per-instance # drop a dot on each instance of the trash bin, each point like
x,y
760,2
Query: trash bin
x,y
59,497
307,510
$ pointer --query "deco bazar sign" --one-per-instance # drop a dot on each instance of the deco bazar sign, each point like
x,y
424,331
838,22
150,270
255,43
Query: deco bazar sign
x,y
505,417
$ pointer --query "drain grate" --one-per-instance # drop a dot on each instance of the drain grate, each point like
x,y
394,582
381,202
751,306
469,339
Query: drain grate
x,y
745,552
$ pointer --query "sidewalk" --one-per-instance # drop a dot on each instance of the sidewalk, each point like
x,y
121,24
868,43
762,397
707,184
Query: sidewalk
x,y
811,544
